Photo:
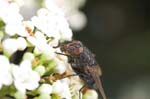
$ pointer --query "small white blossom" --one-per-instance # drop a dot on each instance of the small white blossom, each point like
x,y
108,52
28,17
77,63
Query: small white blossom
x,y
41,45
21,42
16,28
10,10
60,67
53,42
3,6
45,88
38,39
66,93
52,23
90,94
40,69
61,88
77,20
10,46
37,51
64,29
29,26
20,95
25,77
46,22
53,7
57,87
75,86
5,71
22,28
13,19
28,56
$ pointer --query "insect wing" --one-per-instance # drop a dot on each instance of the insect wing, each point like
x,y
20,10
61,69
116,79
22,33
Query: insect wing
x,y
94,71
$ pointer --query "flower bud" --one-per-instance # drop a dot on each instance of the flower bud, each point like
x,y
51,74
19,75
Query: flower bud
x,y
21,42
28,56
45,89
90,94
40,69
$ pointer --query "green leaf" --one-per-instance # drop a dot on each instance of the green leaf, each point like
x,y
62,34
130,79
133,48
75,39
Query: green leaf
x,y
55,96
2,23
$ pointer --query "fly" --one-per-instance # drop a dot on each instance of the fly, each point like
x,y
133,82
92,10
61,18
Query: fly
x,y
83,62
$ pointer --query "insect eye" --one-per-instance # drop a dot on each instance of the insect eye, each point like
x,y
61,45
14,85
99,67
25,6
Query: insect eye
x,y
72,48
77,46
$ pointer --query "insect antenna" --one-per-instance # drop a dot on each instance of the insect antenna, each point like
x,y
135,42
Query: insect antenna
x,y
62,54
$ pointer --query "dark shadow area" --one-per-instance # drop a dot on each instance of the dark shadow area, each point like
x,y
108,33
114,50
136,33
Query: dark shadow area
x,y
118,32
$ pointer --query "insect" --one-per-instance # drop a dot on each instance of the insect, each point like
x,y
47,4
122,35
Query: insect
x,y
84,64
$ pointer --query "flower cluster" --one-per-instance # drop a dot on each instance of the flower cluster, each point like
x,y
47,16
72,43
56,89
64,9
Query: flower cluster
x,y
76,18
36,74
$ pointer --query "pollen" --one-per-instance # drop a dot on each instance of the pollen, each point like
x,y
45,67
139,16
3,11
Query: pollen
x,y
29,30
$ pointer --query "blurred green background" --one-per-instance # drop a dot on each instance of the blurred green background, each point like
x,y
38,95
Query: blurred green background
x,y
118,32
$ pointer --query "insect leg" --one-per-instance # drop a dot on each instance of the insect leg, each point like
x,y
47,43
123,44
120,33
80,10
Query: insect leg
x,y
80,91
69,76
62,54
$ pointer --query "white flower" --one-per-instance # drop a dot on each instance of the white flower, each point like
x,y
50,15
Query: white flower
x,y
76,18
46,22
20,95
54,42
45,88
5,71
40,43
29,26
66,93
3,6
64,29
62,88
25,77
38,39
57,87
22,28
16,28
40,69
90,94
69,5
21,42
52,23
60,67
51,26
10,13
10,46
75,86
53,7
28,56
